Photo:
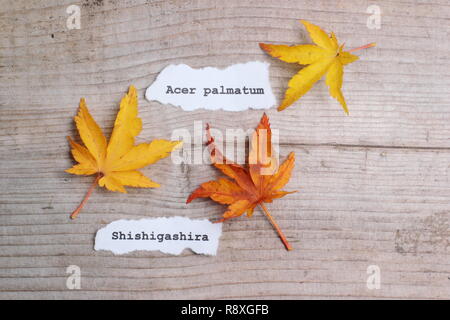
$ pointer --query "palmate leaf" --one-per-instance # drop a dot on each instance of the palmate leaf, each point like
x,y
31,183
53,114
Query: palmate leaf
x,y
325,57
116,163
246,188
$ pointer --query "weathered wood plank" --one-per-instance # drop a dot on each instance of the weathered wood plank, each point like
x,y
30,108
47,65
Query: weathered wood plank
x,y
374,187
356,207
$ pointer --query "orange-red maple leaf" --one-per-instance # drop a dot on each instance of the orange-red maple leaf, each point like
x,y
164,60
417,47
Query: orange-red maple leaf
x,y
260,183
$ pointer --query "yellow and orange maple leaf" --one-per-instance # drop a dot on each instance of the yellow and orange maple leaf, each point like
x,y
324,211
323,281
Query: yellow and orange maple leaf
x,y
115,163
325,57
260,183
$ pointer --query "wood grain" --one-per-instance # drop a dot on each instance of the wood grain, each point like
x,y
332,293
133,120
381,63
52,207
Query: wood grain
x,y
374,186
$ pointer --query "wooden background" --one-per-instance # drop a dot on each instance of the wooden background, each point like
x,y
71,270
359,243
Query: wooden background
x,y
374,186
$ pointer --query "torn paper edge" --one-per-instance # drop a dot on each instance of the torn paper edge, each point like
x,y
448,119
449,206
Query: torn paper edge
x,y
253,74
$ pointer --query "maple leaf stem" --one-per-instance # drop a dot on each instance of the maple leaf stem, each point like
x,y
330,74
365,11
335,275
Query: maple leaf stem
x,y
369,45
277,228
86,197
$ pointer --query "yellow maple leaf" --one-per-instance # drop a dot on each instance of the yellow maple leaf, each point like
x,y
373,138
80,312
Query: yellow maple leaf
x,y
115,163
325,57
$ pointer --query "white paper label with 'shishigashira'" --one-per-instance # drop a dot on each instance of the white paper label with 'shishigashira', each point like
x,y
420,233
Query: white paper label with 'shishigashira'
x,y
168,235
235,88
